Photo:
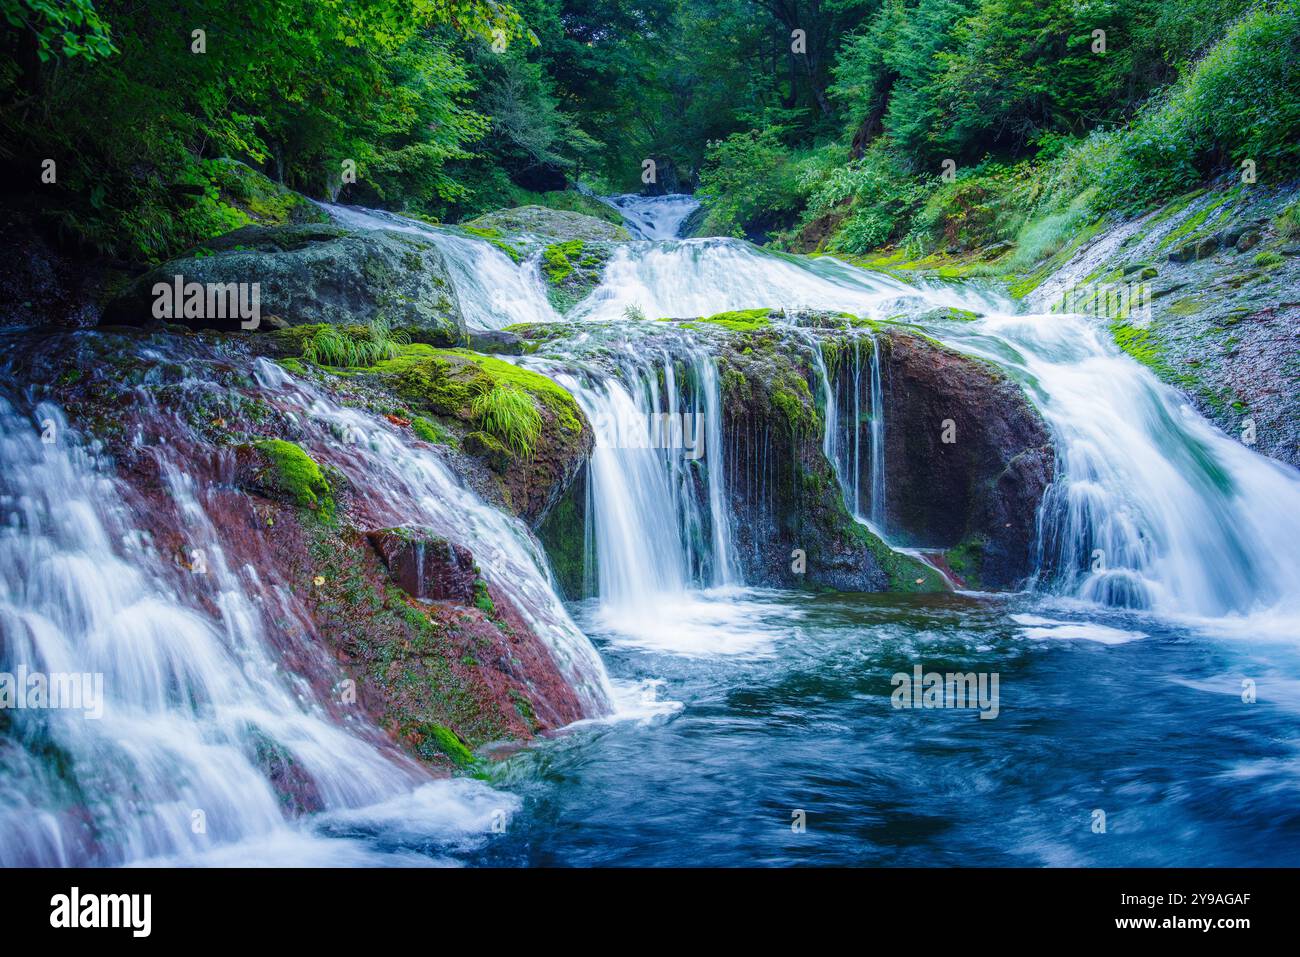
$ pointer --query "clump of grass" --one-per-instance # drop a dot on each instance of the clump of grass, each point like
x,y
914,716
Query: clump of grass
x,y
634,313
354,346
1268,259
1288,224
509,414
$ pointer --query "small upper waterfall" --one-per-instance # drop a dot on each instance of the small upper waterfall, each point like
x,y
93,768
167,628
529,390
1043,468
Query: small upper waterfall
x,y
654,217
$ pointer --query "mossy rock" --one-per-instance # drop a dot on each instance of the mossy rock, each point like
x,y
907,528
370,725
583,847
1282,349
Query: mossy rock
x,y
294,474
554,224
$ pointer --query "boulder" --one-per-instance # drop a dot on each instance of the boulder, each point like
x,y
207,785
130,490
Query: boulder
x,y
425,565
311,274
548,223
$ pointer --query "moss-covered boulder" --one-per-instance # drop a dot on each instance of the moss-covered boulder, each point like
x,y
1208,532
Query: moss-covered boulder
x,y
522,426
556,224
307,274
572,269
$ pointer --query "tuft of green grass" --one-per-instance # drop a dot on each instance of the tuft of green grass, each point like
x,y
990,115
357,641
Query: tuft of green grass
x,y
1268,259
509,414
1288,223
354,346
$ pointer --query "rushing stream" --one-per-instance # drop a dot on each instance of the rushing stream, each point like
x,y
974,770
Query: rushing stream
x,y
1167,583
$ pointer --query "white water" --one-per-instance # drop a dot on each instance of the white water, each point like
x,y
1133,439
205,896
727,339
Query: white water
x,y
194,688
1153,507
493,291
654,217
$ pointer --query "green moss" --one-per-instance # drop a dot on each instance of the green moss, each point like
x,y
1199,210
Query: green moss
x,y
905,573
1142,344
432,431
483,598
966,560
438,739
293,366
1188,306
792,398
494,237
1268,259
556,265
297,475
743,320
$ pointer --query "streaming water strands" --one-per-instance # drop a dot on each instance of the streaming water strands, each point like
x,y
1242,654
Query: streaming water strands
x,y
198,712
657,518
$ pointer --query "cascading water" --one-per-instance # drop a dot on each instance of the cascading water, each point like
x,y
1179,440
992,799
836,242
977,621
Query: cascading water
x,y
493,290
658,516
654,217
208,748
1153,507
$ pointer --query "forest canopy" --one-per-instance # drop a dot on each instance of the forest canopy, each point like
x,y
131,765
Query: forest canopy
x,y
796,121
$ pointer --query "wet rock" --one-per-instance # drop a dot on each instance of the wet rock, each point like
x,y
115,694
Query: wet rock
x,y
426,566
1196,249
1248,240
554,224
967,459
312,274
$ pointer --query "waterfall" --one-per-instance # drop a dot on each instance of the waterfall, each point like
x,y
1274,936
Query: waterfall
x,y
1152,506
654,217
657,516
211,745
493,290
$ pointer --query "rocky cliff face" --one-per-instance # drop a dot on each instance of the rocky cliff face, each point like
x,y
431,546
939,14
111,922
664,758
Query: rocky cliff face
x,y
1211,281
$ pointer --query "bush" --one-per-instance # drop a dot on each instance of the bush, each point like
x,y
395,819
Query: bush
x,y
1240,102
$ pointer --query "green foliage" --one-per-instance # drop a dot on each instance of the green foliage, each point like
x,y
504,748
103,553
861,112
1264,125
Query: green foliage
x,y
293,87
1240,102
509,414
749,178
354,346
71,28
296,474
